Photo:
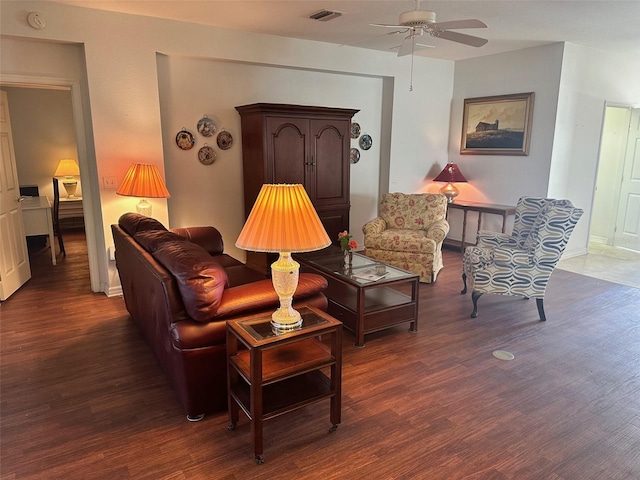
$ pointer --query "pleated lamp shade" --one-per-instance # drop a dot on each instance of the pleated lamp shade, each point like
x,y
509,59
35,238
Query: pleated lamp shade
x,y
143,180
283,220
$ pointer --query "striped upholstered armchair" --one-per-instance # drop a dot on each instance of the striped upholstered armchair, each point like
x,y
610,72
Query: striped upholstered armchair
x,y
521,263
408,233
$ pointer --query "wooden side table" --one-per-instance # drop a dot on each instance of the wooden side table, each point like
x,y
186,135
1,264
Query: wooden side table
x,y
276,374
503,210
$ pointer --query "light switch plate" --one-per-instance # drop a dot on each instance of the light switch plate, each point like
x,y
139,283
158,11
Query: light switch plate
x,y
109,183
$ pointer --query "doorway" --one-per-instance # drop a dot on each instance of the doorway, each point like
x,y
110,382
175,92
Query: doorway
x,y
76,105
615,220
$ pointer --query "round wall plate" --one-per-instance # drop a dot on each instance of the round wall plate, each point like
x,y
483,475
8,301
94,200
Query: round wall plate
x,y
354,155
355,130
207,155
206,126
185,139
365,142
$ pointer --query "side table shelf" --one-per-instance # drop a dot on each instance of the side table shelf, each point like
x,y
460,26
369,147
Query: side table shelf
x,y
276,374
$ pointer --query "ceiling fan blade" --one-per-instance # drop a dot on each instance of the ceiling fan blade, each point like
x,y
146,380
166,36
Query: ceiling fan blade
x,y
455,24
407,46
388,25
459,37
368,39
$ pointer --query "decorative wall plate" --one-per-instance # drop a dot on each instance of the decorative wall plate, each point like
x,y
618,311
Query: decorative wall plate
x,y
355,130
207,155
365,142
206,127
354,155
224,140
185,139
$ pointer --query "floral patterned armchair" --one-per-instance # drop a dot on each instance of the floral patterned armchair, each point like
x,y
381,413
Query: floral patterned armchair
x,y
521,263
408,233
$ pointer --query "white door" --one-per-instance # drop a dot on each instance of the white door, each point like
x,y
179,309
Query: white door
x,y
627,232
14,258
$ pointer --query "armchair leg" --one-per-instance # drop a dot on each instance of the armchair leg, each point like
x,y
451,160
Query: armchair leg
x,y
474,297
464,283
540,306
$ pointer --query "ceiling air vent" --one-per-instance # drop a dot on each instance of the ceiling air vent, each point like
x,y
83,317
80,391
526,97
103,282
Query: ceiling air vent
x,y
325,15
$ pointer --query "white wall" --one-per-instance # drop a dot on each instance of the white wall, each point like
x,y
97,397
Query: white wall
x,y
122,87
209,194
590,78
503,179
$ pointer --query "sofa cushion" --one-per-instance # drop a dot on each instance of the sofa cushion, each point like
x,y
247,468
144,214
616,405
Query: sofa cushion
x,y
133,223
151,240
201,280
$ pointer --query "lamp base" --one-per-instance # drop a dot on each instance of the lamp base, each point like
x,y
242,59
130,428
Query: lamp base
x,y
449,191
144,208
284,275
70,186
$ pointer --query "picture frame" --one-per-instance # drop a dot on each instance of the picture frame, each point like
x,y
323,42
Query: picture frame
x,y
497,125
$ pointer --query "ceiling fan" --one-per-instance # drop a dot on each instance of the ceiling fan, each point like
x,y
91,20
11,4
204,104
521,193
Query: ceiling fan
x,y
418,22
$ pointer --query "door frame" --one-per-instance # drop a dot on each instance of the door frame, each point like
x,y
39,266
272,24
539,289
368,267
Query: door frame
x,y
88,175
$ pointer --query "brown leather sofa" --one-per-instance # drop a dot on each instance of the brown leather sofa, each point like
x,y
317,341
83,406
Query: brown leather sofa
x,y
180,288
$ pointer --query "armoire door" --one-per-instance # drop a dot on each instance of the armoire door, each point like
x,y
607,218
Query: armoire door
x,y
287,150
329,163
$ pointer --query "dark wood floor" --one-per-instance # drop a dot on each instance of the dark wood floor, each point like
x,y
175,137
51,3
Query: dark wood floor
x,y
81,395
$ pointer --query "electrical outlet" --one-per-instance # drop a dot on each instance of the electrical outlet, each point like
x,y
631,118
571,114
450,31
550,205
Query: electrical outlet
x,y
109,183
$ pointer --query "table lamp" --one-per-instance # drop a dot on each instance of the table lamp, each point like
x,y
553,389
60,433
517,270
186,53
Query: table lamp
x,y
450,174
283,221
143,180
68,169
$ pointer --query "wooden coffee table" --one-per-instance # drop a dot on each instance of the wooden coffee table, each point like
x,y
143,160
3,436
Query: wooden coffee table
x,y
365,305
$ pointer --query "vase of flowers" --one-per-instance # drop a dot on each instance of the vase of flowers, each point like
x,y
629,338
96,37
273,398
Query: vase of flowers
x,y
347,244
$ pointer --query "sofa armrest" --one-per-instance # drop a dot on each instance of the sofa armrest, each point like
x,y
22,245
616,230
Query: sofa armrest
x,y
377,225
208,238
438,230
259,295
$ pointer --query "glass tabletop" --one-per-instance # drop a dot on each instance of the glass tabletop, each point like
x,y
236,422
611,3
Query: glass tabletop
x,y
261,329
363,269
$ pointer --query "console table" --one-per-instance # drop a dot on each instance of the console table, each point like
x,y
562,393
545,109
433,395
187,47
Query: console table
x,y
502,210
71,212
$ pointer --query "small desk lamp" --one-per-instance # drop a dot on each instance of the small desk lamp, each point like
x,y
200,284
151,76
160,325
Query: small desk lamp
x,y
450,174
68,169
143,180
283,221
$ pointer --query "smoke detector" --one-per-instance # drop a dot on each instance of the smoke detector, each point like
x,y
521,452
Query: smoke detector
x,y
325,15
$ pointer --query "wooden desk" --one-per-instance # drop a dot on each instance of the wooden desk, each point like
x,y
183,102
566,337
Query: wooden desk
x,y
36,214
502,210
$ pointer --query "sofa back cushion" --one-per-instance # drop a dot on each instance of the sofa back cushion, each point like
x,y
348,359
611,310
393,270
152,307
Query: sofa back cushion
x,y
151,240
200,279
133,223
413,211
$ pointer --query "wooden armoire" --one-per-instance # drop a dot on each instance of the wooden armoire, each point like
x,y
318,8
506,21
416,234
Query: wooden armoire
x,y
298,144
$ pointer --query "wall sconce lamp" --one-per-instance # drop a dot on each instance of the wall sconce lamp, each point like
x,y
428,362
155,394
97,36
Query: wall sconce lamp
x,y
450,174
283,221
68,169
143,180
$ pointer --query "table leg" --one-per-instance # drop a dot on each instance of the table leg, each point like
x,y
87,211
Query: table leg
x,y
360,319
51,239
464,229
335,414
415,296
504,222
256,404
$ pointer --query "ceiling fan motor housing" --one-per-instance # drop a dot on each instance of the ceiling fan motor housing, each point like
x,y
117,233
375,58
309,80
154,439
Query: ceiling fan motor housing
x,y
417,18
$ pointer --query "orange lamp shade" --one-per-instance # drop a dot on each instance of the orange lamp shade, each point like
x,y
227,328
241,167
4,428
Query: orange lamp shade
x,y
143,180
283,220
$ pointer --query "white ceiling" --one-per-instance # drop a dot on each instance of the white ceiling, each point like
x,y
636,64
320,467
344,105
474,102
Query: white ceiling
x,y
512,24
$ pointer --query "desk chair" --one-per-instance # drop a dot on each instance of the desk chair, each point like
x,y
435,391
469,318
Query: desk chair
x,y
56,213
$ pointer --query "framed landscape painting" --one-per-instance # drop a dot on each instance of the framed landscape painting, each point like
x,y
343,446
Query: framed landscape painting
x,y
499,125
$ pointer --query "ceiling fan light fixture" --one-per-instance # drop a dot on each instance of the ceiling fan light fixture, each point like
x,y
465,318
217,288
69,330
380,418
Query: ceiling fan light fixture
x,y
417,18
